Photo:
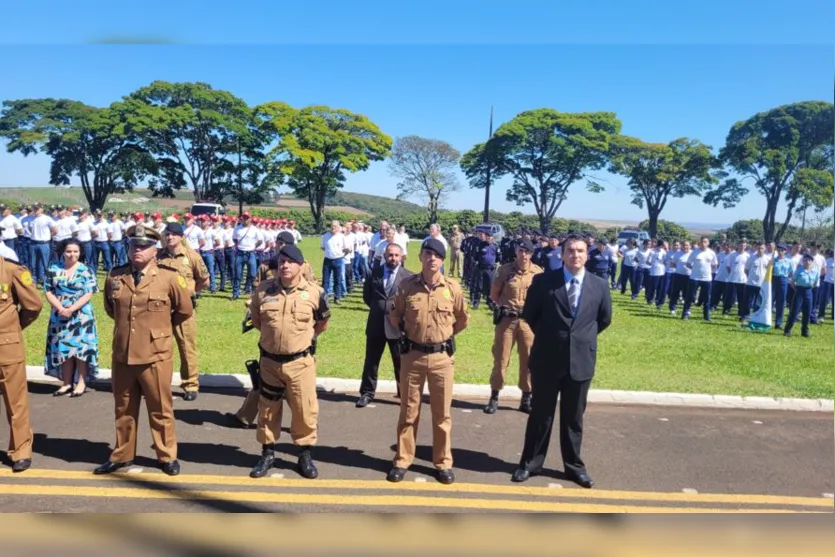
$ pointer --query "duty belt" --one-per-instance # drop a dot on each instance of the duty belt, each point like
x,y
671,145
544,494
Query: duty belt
x,y
284,358
428,348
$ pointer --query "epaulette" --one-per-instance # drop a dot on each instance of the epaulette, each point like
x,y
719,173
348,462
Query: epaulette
x,y
13,262
167,267
124,267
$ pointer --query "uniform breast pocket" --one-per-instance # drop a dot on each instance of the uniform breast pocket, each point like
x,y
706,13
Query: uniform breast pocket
x,y
411,311
444,314
270,312
302,315
158,302
160,341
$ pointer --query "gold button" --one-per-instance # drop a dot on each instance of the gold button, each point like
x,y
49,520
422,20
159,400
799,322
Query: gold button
x,y
133,330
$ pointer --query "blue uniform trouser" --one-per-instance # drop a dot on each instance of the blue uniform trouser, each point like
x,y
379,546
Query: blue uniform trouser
x,y
704,288
613,273
827,293
243,258
229,256
209,260
653,285
637,284
663,289
482,282
802,303
780,289
87,254
816,292
23,251
333,271
359,267
680,289
118,253
12,245
103,254
627,274
220,266
734,293
717,293
751,293
39,257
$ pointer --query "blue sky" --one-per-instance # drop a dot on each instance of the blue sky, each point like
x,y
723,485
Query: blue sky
x,y
444,91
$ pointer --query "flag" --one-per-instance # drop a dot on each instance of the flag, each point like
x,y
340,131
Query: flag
x,y
760,319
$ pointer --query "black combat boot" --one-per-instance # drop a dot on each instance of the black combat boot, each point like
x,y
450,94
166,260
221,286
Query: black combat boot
x,y
306,468
525,404
265,464
493,403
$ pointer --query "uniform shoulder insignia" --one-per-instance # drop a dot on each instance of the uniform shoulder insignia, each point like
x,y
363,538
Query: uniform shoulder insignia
x,y
120,269
181,281
13,263
26,277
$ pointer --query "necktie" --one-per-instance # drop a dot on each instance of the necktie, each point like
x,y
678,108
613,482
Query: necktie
x,y
389,278
573,294
137,277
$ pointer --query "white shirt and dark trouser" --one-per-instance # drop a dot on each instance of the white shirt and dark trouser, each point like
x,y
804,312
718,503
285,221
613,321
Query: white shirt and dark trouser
x,y
333,266
735,264
702,263
681,280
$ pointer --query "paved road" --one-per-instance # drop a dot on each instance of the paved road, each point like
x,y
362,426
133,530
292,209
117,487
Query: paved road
x,y
643,459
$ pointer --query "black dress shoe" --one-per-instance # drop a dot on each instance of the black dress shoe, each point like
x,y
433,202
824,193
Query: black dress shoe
x,y
235,421
190,396
305,467
396,474
445,476
21,465
582,479
492,406
109,467
363,401
264,465
525,403
521,475
171,468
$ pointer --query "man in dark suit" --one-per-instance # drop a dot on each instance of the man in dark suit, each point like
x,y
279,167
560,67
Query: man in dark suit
x,y
378,294
566,309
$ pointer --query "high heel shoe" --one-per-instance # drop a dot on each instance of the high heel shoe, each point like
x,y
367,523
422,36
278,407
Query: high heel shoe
x,y
62,391
76,394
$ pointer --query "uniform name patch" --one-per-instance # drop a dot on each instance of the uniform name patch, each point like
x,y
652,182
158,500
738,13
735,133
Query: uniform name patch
x,y
26,278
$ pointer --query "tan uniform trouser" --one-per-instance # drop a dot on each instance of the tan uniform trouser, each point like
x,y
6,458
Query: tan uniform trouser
x,y
417,369
249,409
511,331
298,378
456,262
186,336
16,400
130,385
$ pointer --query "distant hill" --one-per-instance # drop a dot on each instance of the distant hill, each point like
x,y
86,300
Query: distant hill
x,y
376,204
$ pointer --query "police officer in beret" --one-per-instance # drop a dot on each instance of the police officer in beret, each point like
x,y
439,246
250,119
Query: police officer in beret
x,y
290,313
146,301
486,258
20,306
178,255
429,310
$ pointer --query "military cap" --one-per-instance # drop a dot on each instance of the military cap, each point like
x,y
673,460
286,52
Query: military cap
x,y
292,253
524,243
783,247
286,237
141,234
809,256
174,228
435,245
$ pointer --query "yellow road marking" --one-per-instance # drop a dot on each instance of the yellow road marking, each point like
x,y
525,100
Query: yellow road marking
x,y
349,500
484,489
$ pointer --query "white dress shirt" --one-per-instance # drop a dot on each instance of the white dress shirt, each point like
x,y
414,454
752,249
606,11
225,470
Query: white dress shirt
x,y
334,244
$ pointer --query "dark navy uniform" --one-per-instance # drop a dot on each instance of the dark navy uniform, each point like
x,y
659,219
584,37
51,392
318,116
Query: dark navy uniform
x,y
598,262
486,258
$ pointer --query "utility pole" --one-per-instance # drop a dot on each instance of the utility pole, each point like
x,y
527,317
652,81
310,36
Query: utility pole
x,y
486,216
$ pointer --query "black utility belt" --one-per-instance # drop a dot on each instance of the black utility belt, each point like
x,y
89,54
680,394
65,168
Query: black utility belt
x,y
284,358
446,346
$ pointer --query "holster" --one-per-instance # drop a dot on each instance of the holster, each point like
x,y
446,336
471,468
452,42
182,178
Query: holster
x,y
450,347
194,301
254,370
313,346
405,345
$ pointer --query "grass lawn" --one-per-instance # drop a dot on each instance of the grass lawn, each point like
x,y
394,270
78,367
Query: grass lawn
x,y
644,349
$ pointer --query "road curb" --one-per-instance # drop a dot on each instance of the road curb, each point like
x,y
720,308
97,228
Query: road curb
x,y
642,398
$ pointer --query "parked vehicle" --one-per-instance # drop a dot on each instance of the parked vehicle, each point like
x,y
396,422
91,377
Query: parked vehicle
x,y
637,235
496,229
207,209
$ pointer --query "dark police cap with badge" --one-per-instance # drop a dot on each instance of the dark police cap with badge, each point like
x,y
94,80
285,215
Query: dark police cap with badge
x,y
292,253
525,244
436,246
286,238
142,235
174,228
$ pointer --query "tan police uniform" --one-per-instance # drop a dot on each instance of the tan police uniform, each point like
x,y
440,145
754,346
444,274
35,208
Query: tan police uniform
x,y
456,258
286,317
428,316
510,288
145,316
190,265
16,289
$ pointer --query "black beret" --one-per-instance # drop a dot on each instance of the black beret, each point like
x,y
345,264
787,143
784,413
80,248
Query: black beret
x,y
435,245
808,256
174,228
524,243
286,237
292,253
782,246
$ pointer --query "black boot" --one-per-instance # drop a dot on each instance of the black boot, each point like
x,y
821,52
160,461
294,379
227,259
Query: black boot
x,y
265,464
306,468
525,404
493,403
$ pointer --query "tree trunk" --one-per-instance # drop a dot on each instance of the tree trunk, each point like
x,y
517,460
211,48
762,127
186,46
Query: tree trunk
x,y
769,220
653,223
544,223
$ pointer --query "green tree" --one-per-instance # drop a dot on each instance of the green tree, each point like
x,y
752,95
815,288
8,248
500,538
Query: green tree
x,y
665,230
772,149
426,168
193,127
545,152
101,146
317,145
658,172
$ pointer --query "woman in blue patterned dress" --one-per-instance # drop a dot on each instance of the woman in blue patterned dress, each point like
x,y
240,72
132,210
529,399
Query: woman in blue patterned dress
x,y
72,342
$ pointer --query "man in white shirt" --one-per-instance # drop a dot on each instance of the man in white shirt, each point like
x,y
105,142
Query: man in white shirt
x,y
627,266
291,227
827,287
736,264
25,241
42,229
642,266
194,234
819,263
118,241
681,278
207,251
702,264
84,235
755,269
65,226
376,238
246,239
350,243
361,248
657,272
12,229
333,266
380,248
5,251
721,277
102,243
613,266
402,239
228,250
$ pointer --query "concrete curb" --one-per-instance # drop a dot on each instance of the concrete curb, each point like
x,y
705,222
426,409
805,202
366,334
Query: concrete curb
x,y
351,386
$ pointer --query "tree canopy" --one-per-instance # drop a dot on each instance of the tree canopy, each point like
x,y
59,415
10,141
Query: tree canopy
x,y
785,152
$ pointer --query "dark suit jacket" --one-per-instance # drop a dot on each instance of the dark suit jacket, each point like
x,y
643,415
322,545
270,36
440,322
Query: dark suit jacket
x,y
381,302
563,344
